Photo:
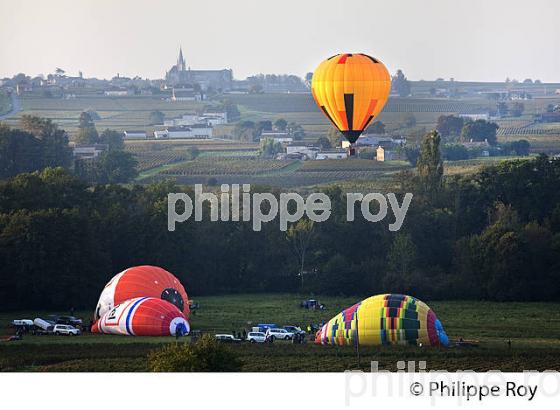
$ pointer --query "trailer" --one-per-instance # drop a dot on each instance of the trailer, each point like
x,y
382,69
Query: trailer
x,y
42,326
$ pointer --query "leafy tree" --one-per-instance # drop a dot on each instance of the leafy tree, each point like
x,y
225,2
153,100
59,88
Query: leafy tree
x,y
450,126
113,139
335,137
281,124
264,125
296,131
299,236
521,147
41,145
206,355
269,148
430,165
157,117
454,152
323,142
376,127
401,84
87,134
412,153
116,167
245,131
480,130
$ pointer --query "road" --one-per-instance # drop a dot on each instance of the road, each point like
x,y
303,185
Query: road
x,y
16,107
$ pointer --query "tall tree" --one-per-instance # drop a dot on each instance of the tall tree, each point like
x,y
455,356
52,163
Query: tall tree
x,y
430,165
401,84
299,235
450,126
113,139
157,117
87,134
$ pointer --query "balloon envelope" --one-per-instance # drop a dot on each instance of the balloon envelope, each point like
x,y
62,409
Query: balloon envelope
x,y
143,317
351,90
384,319
142,281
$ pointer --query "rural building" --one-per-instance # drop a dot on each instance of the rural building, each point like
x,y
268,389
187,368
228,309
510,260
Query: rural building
x,y
196,131
299,148
185,94
282,137
332,154
118,92
89,152
373,140
160,134
476,116
220,80
475,144
383,154
135,135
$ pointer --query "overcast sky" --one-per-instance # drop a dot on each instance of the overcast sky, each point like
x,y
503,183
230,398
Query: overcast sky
x,y
485,40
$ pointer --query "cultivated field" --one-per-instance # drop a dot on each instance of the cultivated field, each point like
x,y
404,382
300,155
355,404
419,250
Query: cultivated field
x,y
227,161
533,328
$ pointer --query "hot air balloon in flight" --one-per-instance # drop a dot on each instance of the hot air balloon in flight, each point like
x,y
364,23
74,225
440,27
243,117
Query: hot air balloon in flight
x,y
143,316
384,319
142,281
351,90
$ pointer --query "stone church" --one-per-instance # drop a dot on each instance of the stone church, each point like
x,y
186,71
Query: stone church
x,y
181,75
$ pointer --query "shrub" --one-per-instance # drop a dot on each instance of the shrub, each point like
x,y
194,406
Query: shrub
x,y
206,355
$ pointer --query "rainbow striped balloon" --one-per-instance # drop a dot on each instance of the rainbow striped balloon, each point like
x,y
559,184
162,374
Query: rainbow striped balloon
x,y
384,319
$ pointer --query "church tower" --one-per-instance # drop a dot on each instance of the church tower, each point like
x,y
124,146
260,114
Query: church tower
x,y
181,65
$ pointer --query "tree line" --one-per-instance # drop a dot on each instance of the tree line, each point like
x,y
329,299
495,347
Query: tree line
x,y
492,235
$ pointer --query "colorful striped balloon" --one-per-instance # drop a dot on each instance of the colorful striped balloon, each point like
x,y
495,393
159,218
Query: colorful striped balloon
x,y
384,319
143,317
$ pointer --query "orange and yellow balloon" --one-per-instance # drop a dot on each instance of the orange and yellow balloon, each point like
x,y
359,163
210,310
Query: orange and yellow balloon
x,y
351,90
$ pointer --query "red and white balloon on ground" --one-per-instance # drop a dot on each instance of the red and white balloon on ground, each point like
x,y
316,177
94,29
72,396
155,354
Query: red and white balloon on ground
x,y
143,316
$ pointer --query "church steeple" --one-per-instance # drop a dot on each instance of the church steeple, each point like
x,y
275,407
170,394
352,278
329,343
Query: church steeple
x,y
181,65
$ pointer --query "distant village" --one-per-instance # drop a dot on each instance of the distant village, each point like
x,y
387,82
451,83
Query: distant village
x,y
181,83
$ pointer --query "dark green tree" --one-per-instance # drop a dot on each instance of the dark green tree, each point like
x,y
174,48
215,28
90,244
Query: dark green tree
x,y
87,134
430,165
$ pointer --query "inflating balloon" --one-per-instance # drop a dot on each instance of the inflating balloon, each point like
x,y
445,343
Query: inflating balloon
x,y
351,90
142,281
143,317
384,319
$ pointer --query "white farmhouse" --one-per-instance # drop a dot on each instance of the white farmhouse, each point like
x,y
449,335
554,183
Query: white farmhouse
x,y
332,154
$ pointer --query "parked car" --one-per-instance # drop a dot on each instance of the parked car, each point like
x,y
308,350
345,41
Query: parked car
x,y
65,330
68,320
263,327
295,330
227,338
256,337
310,304
281,334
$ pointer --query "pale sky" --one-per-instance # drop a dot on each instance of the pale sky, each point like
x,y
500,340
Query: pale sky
x,y
484,40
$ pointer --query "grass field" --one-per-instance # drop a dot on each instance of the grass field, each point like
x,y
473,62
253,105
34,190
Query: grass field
x,y
533,328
